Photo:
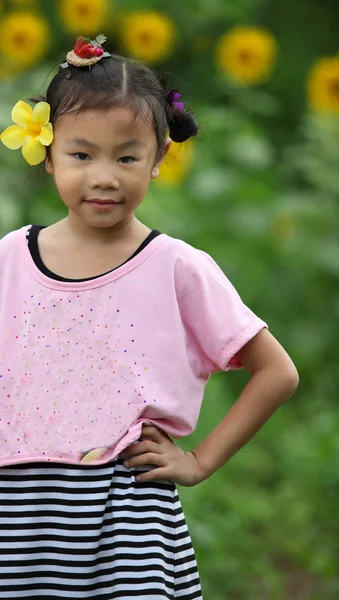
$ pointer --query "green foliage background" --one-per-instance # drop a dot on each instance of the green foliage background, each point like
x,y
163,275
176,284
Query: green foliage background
x,y
262,199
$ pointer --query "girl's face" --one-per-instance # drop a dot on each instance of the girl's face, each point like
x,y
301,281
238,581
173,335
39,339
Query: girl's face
x,y
103,155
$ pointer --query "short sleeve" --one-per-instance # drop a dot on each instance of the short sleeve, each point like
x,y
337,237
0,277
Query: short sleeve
x,y
215,317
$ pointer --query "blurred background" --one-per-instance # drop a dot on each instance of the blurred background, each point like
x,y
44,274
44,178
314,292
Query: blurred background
x,y
258,190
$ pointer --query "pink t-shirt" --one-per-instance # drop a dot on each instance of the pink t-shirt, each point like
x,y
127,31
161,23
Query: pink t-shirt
x,y
84,364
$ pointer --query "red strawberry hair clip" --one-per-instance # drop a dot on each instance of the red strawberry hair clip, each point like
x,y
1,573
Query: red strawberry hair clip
x,y
86,52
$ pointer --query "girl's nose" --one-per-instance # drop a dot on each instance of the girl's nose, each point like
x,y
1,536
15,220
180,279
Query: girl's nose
x,y
104,179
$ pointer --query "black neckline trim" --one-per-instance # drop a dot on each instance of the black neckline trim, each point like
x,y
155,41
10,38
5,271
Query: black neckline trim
x,y
32,239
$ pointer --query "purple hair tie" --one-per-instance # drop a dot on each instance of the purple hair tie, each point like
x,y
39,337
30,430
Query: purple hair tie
x,y
174,96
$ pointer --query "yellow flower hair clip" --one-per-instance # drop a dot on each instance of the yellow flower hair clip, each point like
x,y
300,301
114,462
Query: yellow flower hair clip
x,y
32,131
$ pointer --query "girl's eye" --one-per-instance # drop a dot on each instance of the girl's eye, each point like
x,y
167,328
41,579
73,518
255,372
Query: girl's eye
x,y
126,160
81,156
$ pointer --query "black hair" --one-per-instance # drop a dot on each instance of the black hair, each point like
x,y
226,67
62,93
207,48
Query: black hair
x,y
119,81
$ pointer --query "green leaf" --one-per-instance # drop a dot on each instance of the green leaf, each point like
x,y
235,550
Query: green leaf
x,y
100,39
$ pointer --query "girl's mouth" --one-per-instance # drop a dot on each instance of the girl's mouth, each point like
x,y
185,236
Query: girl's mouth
x,y
102,205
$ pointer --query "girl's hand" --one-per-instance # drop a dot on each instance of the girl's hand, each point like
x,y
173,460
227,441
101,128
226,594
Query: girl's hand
x,y
160,450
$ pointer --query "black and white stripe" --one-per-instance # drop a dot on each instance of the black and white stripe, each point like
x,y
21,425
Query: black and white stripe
x,y
70,531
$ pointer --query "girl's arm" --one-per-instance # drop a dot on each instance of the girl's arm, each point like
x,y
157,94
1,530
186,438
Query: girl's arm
x,y
274,379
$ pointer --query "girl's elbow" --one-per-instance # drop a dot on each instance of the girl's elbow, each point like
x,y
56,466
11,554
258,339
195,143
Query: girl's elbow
x,y
291,378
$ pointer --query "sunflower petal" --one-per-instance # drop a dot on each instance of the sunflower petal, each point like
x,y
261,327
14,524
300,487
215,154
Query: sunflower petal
x,y
33,152
22,113
14,136
46,135
41,113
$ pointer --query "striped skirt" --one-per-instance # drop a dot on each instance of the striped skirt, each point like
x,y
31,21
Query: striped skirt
x,y
69,531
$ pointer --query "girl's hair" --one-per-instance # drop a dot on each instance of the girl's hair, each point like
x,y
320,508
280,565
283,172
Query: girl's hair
x,y
118,81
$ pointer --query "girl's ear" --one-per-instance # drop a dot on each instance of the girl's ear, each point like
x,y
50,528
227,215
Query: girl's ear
x,y
156,168
49,166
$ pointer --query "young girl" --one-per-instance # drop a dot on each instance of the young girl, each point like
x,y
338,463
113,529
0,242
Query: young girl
x,y
110,332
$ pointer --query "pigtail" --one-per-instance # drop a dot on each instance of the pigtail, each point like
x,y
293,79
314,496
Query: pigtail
x,y
181,122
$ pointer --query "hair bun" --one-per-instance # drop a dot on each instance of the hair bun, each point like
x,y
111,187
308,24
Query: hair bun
x,y
182,126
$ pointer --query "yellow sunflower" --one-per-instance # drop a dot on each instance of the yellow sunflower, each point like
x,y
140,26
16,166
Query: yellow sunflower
x,y
24,38
148,35
323,85
176,163
247,54
83,17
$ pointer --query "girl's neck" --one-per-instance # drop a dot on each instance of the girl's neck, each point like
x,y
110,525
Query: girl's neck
x,y
66,252
75,232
